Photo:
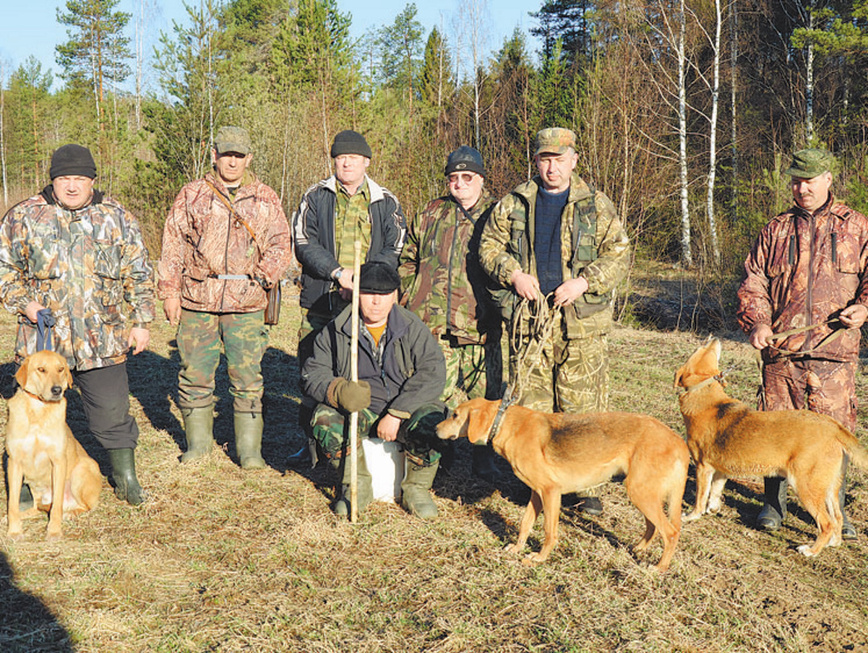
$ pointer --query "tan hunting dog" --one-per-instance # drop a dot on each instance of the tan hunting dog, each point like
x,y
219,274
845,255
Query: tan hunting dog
x,y
42,452
558,453
728,438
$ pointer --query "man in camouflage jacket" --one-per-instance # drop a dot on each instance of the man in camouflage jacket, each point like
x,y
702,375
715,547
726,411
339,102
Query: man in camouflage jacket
x,y
555,239
808,268
447,288
80,255
225,242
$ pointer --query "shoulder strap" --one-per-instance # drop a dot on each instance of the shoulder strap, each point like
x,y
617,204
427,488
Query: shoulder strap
x,y
234,214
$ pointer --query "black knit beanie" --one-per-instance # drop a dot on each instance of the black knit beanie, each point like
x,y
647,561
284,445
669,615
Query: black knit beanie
x,y
350,142
72,160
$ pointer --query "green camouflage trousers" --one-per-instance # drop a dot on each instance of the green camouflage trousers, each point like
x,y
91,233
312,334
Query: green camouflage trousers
x,y
201,336
418,435
569,376
471,370
824,387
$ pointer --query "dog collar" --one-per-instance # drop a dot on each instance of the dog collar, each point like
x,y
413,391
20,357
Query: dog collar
x,y
708,381
506,402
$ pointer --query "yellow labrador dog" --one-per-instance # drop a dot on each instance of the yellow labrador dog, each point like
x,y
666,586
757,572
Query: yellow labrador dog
x,y
557,453
42,452
728,438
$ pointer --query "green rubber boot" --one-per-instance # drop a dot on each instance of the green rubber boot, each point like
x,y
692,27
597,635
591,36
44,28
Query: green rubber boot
x,y
248,440
415,489
127,486
199,426
364,489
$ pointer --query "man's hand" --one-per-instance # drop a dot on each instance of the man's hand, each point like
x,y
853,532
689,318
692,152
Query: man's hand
x,y
139,339
760,336
387,427
526,285
570,290
853,317
31,311
172,309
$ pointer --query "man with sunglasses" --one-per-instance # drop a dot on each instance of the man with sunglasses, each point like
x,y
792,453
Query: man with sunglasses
x,y
446,287
225,242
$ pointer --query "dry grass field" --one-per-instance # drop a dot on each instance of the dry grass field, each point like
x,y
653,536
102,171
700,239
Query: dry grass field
x,y
225,560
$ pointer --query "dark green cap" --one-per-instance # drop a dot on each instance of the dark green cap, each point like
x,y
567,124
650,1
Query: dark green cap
x,y
810,163
555,140
232,139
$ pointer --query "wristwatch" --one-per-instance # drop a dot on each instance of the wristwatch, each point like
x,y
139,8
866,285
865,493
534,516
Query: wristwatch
x,y
336,275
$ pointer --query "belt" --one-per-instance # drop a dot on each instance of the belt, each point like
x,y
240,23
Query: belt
x,y
227,277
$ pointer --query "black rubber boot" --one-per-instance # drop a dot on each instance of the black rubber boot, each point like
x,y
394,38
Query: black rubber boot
x,y
774,509
848,531
127,486
483,465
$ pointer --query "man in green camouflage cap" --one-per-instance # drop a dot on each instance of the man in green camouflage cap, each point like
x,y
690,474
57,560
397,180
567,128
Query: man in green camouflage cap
x,y
80,255
225,242
808,267
557,240
447,288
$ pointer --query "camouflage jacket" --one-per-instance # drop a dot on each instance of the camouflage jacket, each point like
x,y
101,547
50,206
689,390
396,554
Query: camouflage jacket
x,y
202,240
601,257
82,265
443,281
801,271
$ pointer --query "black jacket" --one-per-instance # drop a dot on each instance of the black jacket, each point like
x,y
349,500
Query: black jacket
x,y
313,232
410,372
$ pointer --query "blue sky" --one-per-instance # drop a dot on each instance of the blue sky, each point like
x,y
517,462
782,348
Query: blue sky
x,y
30,27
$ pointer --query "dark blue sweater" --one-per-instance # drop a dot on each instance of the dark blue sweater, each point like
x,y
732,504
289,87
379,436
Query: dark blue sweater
x,y
547,238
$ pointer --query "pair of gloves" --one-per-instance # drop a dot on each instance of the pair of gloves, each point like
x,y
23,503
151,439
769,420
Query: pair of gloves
x,y
351,396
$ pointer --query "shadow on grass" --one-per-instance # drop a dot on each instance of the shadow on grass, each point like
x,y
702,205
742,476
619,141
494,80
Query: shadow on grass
x,y
27,626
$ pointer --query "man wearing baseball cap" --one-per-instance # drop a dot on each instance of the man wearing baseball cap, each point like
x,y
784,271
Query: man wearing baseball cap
x,y
80,254
401,376
558,240
332,215
807,268
225,243
450,292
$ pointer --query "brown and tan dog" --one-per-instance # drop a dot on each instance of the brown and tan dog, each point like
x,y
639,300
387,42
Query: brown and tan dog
x,y
42,452
558,453
728,438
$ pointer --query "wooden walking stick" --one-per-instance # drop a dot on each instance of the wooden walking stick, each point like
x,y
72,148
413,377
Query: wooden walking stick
x,y
354,377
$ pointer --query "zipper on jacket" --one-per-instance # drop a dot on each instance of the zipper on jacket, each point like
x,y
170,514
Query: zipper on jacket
x,y
809,299
449,275
791,256
834,248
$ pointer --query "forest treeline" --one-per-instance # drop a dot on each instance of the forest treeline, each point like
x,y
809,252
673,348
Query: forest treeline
x,y
686,110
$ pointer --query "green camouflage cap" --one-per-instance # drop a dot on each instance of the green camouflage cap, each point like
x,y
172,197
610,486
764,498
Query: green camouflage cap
x,y
555,140
232,139
811,163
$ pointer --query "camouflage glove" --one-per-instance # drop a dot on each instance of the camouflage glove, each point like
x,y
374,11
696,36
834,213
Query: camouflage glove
x,y
351,396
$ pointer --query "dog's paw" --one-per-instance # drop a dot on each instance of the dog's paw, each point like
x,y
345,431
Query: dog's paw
x,y
806,551
15,535
52,536
692,516
532,559
513,548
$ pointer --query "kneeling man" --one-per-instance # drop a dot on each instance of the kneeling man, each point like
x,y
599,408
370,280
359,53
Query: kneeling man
x,y
401,374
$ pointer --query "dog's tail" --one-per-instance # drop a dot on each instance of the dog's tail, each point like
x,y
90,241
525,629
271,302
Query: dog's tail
x,y
858,454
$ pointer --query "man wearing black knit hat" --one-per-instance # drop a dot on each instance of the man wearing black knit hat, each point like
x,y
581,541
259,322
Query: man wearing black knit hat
x,y
401,375
81,255
332,215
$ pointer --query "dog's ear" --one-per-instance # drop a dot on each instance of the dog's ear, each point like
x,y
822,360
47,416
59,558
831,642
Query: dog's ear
x,y
69,380
677,381
476,423
21,374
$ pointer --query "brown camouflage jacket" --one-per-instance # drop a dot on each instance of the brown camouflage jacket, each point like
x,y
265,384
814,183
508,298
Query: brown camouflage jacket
x,y
444,283
802,270
601,257
202,240
82,265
